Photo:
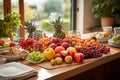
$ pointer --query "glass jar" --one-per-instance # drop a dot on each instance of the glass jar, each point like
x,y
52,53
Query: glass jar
x,y
38,34
75,37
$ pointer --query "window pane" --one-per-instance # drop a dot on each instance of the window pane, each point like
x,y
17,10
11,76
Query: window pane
x,y
15,8
40,12
1,9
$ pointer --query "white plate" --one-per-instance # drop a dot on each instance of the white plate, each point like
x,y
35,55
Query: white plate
x,y
114,44
14,69
36,62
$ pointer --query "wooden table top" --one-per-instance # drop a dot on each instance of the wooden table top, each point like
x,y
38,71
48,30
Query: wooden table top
x,y
69,71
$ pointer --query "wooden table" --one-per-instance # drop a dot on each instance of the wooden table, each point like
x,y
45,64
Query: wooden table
x,y
71,71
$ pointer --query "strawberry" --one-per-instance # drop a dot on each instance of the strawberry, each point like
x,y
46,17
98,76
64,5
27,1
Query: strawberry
x,y
12,44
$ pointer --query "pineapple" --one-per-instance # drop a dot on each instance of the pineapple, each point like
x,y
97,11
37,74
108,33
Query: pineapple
x,y
30,27
57,25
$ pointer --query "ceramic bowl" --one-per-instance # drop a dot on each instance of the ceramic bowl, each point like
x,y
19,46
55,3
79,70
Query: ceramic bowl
x,y
102,39
116,30
13,57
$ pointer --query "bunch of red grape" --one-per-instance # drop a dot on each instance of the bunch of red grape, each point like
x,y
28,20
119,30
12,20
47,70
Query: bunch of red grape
x,y
94,50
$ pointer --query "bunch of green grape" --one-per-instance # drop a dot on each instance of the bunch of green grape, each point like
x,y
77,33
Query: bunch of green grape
x,y
35,56
116,38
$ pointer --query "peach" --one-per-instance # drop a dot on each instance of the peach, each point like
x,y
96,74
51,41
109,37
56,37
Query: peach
x,y
52,62
58,60
68,59
58,49
71,51
64,53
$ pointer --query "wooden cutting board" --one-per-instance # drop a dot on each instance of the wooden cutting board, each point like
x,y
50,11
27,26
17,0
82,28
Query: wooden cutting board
x,y
48,66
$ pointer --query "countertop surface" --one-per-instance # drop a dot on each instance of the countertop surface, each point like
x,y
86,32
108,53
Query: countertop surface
x,y
65,72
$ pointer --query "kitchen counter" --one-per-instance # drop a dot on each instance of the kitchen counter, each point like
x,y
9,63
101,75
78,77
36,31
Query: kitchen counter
x,y
71,71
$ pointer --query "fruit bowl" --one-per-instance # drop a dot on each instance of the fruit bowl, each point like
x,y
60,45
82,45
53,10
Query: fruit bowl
x,y
13,54
101,37
35,57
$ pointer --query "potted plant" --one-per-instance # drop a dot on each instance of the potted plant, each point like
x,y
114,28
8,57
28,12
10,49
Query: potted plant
x,y
9,24
105,9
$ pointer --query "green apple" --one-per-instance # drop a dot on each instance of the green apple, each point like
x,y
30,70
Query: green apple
x,y
6,45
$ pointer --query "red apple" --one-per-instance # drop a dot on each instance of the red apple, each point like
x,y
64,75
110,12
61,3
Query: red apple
x,y
64,53
71,54
78,47
12,44
71,51
58,44
58,49
79,57
94,38
66,40
55,40
65,45
57,55
53,45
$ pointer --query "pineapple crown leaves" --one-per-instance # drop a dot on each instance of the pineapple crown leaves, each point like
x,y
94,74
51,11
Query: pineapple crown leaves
x,y
30,26
57,23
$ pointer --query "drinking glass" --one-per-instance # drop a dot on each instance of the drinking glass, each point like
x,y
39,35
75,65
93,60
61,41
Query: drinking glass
x,y
116,30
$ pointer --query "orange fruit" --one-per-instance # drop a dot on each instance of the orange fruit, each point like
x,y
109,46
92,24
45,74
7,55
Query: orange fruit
x,y
92,40
81,41
2,42
106,34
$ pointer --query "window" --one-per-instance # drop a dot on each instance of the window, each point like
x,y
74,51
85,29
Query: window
x,y
40,12
15,8
1,9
